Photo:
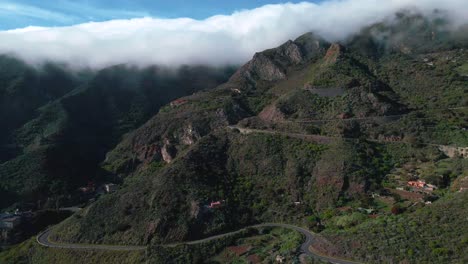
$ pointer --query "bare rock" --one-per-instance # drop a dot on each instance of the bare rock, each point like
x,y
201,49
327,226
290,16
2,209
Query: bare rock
x,y
333,53
168,152
271,114
190,135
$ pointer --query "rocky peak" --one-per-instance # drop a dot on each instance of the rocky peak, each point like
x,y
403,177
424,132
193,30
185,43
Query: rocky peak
x,y
312,46
271,65
290,53
263,68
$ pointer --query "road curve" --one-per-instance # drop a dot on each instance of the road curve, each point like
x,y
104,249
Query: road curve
x,y
43,239
306,246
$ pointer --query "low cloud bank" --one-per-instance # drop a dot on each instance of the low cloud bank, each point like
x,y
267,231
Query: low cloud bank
x,y
218,40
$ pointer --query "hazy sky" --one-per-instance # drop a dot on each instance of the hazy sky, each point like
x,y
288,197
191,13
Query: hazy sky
x,y
142,34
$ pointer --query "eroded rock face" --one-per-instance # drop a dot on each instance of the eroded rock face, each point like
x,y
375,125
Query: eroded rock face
x,y
194,209
333,53
151,230
271,65
168,151
265,69
190,135
271,114
147,153
291,53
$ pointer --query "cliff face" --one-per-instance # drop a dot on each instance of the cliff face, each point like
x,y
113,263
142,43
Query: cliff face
x,y
274,64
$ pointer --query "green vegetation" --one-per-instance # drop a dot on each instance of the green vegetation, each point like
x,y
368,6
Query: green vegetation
x,y
264,246
463,70
255,144
68,121
273,177
435,233
31,252
211,170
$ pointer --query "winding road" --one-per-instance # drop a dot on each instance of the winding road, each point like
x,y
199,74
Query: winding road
x,y
319,138
44,240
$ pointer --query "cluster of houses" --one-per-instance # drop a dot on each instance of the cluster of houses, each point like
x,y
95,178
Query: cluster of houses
x,y
92,189
10,221
91,192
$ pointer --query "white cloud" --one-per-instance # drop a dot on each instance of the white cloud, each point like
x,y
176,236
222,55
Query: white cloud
x,y
216,40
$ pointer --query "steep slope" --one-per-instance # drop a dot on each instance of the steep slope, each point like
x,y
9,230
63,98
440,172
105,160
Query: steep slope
x,y
177,127
23,90
433,234
59,148
313,133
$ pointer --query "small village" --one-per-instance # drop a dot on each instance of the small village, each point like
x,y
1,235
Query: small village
x,y
9,221
91,192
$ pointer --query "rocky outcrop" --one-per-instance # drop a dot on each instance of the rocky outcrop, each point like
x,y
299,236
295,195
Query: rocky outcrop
x,y
290,53
453,152
367,103
190,135
168,151
271,65
333,53
147,153
271,114
263,68
194,209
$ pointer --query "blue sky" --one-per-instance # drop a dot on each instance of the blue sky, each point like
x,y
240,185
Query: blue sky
x,y
23,13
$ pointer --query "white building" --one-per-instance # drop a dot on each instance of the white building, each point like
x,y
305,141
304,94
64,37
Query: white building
x,y
10,222
110,187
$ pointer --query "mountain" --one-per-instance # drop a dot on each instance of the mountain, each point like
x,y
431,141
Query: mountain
x,y
318,124
328,136
60,124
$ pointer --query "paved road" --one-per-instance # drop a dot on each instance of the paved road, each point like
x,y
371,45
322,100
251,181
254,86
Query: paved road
x,y
43,239
385,118
319,138
307,137
306,246
72,209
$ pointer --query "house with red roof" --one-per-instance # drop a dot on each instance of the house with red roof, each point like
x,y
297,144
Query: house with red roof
x,y
178,102
216,204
